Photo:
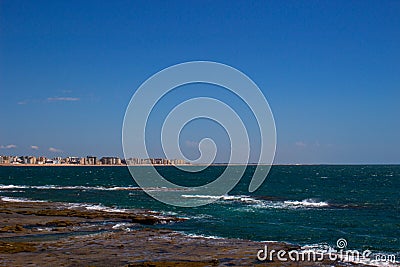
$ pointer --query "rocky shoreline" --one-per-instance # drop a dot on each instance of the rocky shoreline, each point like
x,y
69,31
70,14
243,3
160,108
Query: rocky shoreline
x,y
60,234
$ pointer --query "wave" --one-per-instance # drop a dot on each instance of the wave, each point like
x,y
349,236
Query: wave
x,y
203,236
266,204
72,187
127,227
97,207
94,207
166,189
307,203
13,186
224,197
82,187
87,206
20,199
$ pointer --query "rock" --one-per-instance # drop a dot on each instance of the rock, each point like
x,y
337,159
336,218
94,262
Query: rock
x,y
147,220
12,228
59,223
15,247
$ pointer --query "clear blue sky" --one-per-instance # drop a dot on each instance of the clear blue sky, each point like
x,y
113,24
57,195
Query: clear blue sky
x,y
329,69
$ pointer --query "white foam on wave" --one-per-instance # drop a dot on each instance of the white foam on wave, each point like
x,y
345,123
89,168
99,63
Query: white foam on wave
x,y
83,187
201,196
15,199
97,207
265,204
71,187
203,236
166,189
123,226
47,229
292,204
240,198
307,203
12,191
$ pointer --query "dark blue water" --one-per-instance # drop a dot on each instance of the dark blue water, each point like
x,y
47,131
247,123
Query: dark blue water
x,y
297,204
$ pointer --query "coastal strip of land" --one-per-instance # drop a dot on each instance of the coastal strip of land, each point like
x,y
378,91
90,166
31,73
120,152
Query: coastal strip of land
x,y
65,234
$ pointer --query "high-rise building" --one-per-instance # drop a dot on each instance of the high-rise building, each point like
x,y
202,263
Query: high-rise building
x,y
91,160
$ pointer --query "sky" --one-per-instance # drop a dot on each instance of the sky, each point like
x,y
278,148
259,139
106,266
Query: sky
x,y
330,71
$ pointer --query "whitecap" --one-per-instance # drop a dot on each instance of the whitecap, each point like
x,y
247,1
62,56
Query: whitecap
x,y
307,203
15,199
97,207
70,187
203,236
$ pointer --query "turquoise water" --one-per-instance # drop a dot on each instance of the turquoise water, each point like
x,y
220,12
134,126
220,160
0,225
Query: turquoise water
x,y
296,204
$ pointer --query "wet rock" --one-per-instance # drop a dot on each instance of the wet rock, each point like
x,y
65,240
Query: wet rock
x,y
59,223
12,228
16,247
174,264
147,220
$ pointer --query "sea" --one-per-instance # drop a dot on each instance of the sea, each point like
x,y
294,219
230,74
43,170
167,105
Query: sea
x,y
309,205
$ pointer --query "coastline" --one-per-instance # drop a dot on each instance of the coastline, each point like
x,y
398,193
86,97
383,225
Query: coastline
x,y
66,234
214,164
61,165
92,165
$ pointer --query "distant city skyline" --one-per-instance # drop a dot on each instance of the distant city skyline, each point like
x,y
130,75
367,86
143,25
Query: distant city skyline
x,y
329,70
9,160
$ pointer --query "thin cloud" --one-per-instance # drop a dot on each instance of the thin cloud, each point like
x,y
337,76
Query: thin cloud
x,y
8,146
49,99
55,150
29,101
300,144
53,99
35,147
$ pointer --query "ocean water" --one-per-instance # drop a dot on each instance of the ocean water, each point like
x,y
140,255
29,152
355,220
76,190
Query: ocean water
x,y
306,205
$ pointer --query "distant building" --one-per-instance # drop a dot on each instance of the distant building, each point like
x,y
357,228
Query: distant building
x,y
57,160
90,160
5,160
31,160
73,160
135,161
179,162
41,160
49,161
110,161
146,161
